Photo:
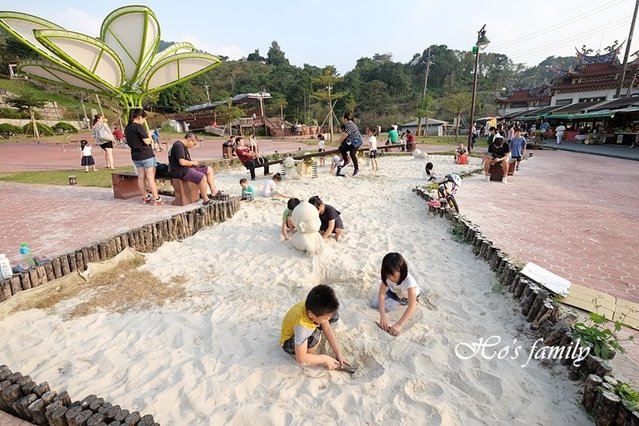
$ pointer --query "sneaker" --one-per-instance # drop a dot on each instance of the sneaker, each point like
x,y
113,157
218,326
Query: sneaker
x,y
356,172
517,168
158,202
147,199
504,180
339,171
207,202
487,178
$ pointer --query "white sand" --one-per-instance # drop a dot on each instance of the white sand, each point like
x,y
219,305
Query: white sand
x,y
213,358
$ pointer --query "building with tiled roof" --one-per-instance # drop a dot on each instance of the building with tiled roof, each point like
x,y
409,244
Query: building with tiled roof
x,y
594,79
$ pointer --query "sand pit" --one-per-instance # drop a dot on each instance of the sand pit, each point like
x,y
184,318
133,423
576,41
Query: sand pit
x,y
212,357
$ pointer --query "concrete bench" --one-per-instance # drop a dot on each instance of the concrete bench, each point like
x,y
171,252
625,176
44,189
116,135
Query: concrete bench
x,y
125,186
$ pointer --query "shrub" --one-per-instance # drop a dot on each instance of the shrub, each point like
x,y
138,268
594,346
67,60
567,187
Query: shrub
x,y
43,129
10,113
63,127
8,129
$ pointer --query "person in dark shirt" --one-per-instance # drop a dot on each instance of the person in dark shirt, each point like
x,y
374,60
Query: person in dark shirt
x,y
498,153
181,166
331,222
140,142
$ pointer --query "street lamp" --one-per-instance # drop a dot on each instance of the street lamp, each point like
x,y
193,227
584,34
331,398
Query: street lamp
x,y
482,42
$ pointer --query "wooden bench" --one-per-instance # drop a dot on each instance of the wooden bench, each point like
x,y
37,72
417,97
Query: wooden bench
x,y
125,186
497,173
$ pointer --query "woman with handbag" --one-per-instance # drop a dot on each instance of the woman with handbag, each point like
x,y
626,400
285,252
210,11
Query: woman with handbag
x,y
350,140
103,137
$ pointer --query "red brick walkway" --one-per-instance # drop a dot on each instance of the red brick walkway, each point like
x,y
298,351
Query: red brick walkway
x,y
574,214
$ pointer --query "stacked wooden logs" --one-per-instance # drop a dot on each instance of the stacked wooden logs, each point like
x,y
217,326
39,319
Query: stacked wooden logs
x,y
543,314
21,397
147,238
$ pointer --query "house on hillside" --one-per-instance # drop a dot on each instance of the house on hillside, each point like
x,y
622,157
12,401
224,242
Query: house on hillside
x,y
431,127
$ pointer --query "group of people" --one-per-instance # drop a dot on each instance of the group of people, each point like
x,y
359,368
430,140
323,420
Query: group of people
x,y
307,321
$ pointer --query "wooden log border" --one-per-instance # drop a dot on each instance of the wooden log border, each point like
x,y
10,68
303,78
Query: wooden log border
x,y
146,239
21,397
543,314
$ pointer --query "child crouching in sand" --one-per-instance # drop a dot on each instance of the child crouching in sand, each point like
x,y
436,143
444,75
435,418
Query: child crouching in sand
x,y
304,323
287,220
398,287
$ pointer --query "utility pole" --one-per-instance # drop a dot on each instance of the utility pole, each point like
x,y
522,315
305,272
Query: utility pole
x,y
625,56
330,111
419,118
206,87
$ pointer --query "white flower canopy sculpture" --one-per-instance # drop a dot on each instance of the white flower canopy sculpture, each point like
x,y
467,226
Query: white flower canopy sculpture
x,y
123,62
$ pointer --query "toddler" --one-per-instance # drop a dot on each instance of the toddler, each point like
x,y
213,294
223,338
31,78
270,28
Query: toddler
x,y
86,156
248,192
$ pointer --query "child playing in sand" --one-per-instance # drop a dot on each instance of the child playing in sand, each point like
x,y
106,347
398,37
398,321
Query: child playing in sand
x,y
321,147
270,189
304,323
248,192
428,172
287,221
86,158
331,221
336,162
398,287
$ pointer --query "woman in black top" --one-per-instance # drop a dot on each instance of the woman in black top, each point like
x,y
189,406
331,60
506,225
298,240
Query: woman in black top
x,y
140,142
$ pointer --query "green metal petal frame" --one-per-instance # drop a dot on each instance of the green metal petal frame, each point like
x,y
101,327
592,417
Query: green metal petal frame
x,y
133,54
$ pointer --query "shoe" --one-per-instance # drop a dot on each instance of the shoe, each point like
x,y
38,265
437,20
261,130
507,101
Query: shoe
x,y
158,202
147,199
339,171
487,178
356,172
517,168
207,202
504,180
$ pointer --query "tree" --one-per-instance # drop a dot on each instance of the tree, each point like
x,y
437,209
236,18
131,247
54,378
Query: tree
x,y
326,83
255,57
275,55
457,104
28,102
178,97
228,113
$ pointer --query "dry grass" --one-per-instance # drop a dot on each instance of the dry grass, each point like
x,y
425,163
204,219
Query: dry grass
x,y
120,289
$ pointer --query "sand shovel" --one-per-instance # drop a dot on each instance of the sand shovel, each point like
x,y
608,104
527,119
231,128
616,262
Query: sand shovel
x,y
348,368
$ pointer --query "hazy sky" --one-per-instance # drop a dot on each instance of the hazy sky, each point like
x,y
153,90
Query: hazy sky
x,y
330,32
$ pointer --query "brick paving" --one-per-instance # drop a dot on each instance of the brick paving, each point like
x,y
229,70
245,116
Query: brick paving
x,y
575,214
8,420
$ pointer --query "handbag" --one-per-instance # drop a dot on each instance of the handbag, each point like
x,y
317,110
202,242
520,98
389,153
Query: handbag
x,y
105,135
357,143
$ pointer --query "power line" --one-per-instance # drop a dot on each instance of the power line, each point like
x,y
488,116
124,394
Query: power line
x,y
573,21
565,41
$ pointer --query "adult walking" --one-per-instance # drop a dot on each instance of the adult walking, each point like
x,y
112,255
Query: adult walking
x,y
350,141
141,144
103,137
559,132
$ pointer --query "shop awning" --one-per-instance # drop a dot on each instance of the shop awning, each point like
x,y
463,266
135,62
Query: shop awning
x,y
594,114
558,116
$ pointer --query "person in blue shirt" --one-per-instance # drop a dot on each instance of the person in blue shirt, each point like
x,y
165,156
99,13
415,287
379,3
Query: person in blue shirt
x,y
517,147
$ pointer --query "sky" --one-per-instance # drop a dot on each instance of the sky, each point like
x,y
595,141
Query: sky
x,y
330,32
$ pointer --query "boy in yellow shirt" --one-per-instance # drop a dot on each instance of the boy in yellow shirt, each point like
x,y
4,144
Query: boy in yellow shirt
x,y
303,325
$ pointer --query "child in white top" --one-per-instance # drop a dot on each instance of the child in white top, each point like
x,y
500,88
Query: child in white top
x,y
336,162
321,147
86,156
398,287
372,149
429,174
269,187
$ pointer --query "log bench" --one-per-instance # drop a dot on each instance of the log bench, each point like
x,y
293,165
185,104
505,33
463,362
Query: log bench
x,y
125,186
497,173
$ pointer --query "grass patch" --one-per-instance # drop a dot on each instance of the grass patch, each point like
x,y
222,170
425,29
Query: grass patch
x,y
457,232
101,178
121,289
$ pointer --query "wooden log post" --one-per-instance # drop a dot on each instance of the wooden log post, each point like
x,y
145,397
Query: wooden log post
x,y
545,311
96,404
37,412
121,416
102,252
21,406
41,389
63,397
73,265
5,289
509,276
86,256
536,305
25,281
64,265
15,284
522,285
133,418
485,248
34,279
9,396
48,270
56,414
42,275
606,407
590,391
57,267
514,283
557,333
567,343
528,299
79,261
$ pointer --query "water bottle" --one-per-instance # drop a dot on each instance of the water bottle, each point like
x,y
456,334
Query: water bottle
x,y
25,251
5,267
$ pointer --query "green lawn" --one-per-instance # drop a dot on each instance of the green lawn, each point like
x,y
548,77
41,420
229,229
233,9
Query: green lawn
x,y
101,178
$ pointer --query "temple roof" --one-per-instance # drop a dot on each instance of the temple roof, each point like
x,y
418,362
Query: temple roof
x,y
526,95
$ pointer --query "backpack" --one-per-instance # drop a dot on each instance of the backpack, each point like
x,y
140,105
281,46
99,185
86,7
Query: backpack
x,y
162,171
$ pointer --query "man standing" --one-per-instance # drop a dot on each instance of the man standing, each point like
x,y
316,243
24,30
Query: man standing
x,y
181,166
248,157
544,129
